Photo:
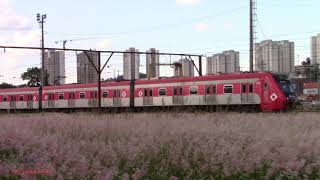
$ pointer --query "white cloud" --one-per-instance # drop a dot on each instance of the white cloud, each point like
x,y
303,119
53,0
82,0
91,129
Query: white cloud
x,y
188,2
104,45
201,26
9,20
16,30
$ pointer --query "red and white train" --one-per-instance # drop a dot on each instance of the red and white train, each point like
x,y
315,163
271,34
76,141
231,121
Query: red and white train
x,y
263,91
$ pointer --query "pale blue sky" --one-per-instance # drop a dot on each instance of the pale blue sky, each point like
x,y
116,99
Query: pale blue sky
x,y
206,27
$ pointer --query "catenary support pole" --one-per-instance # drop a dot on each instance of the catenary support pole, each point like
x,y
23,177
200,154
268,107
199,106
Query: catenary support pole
x,y
200,66
99,82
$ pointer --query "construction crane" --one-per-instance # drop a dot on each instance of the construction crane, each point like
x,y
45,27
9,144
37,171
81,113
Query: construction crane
x,y
64,42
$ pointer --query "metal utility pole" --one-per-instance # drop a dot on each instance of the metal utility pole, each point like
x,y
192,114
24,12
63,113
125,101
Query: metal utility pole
x,y
251,35
41,20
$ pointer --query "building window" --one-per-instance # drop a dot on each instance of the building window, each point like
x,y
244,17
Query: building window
x,y
82,95
5,99
21,98
228,89
194,90
162,92
61,96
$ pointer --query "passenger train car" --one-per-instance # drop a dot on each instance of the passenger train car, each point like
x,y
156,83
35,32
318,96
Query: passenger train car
x,y
263,91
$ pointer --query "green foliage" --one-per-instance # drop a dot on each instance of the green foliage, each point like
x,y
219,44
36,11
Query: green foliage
x,y
5,85
33,76
7,154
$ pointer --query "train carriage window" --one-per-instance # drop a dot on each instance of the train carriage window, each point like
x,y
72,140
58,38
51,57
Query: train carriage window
x,y
72,95
21,98
30,97
250,88
228,89
151,93
93,95
146,92
175,91
208,90
13,98
181,91
82,95
114,93
5,99
105,94
61,96
244,88
266,86
194,90
162,92
214,89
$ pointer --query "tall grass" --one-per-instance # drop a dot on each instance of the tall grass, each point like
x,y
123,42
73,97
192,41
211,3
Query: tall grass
x,y
162,145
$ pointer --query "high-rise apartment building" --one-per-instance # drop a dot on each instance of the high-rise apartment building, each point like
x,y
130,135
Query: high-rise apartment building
x,y
185,70
86,73
225,62
315,49
152,65
131,64
54,64
274,56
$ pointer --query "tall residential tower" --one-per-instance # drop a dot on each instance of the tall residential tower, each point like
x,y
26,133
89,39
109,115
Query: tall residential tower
x,y
131,64
86,73
275,56
54,64
225,62
315,49
152,65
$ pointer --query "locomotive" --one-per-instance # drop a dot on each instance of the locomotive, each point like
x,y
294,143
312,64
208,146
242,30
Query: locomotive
x,y
262,91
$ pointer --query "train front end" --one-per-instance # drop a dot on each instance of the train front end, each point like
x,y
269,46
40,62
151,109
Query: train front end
x,y
286,87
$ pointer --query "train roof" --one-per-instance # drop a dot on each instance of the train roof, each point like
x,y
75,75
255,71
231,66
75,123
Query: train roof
x,y
153,81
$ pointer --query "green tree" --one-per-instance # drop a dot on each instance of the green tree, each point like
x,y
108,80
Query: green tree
x,y
33,76
5,85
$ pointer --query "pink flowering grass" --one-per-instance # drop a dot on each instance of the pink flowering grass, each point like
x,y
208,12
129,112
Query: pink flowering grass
x,y
161,145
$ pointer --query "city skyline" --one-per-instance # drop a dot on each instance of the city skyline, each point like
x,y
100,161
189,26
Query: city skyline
x,y
204,32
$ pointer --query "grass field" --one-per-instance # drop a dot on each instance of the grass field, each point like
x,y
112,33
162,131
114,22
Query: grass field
x,y
161,146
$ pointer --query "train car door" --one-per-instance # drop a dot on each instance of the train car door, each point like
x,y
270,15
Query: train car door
x,y
210,97
30,102
247,92
266,95
13,102
177,95
72,100
148,97
51,100
116,97
93,101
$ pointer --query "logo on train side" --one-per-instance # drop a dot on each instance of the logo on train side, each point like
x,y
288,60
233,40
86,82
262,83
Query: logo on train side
x,y
46,97
34,98
273,97
124,94
140,93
